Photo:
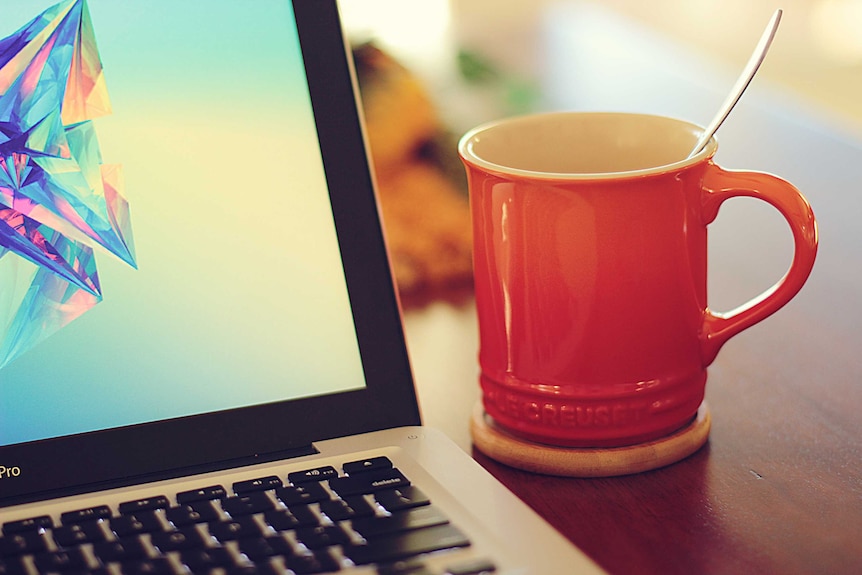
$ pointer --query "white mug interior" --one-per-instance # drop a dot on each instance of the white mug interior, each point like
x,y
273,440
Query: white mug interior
x,y
583,144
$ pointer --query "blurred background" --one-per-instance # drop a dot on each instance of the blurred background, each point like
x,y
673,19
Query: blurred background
x,y
817,54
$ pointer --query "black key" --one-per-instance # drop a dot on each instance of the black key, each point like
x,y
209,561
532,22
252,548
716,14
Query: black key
x,y
239,528
190,513
179,540
140,522
286,520
402,498
320,561
120,550
419,518
78,534
252,485
31,524
260,548
472,567
147,504
408,544
413,566
347,508
256,502
85,515
157,566
302,494
369,482
322,536
261,568
206,493
27,542
370,464
312,475
68,560
12,566
207,558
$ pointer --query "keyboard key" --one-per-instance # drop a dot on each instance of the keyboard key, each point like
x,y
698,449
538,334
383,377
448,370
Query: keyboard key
x,y
320,561
28,542
179,540
368,482
68,560
31,524
148,504
252,485
413,566
256,502
12,566
302,494
140,522
78,534
322,536
402,498
286,520
472,567
370,464
156,566
206,493
347,508
265,568
409,544
189,514
120,550
204,559
418,518
236,529
317,474
260,548
86,515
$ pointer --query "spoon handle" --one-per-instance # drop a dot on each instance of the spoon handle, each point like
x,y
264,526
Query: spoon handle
x,y
742,82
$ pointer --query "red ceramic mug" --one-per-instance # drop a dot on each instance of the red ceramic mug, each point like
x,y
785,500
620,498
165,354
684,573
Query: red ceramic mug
x,y
590,262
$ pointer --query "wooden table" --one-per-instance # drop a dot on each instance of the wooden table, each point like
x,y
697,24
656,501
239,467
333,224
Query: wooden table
x,y
778,487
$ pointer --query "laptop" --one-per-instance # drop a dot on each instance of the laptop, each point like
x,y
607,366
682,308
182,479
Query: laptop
x,y
202,364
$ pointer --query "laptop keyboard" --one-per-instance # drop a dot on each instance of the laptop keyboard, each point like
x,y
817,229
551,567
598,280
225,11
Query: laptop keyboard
x,y
368,518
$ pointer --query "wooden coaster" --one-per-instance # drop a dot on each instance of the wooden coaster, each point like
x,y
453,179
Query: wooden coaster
x,y
587,462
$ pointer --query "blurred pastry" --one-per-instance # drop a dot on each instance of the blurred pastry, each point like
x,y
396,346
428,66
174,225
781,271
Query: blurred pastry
x,y
421,184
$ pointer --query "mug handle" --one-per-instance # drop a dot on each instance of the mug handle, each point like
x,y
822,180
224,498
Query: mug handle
x,y
719,185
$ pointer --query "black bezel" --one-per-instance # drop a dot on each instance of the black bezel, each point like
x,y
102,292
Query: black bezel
x,y
176,447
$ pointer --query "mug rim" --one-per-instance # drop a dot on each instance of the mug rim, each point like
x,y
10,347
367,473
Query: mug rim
x,y
465,149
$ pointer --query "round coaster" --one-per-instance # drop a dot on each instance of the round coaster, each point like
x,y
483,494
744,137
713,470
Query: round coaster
x,y
587,461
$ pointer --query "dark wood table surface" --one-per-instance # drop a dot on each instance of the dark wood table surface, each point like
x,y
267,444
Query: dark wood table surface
x,y
778,486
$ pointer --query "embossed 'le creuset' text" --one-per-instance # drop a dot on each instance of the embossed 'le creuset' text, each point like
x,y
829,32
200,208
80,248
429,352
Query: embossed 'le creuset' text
x,y
569,415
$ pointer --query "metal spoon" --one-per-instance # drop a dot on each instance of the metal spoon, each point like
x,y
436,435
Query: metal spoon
x,y
742,82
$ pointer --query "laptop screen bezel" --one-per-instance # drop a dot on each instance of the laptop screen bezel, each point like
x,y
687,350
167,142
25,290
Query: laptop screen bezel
x,y
133,454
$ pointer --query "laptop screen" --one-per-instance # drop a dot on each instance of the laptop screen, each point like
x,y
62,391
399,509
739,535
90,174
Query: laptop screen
x,y
235,277
169,221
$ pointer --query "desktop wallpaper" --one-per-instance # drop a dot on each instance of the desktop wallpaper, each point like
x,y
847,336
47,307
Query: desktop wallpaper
x,y
176,214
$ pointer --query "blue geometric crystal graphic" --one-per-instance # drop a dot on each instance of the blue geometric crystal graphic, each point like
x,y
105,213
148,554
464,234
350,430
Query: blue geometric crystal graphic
x,y
57,199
